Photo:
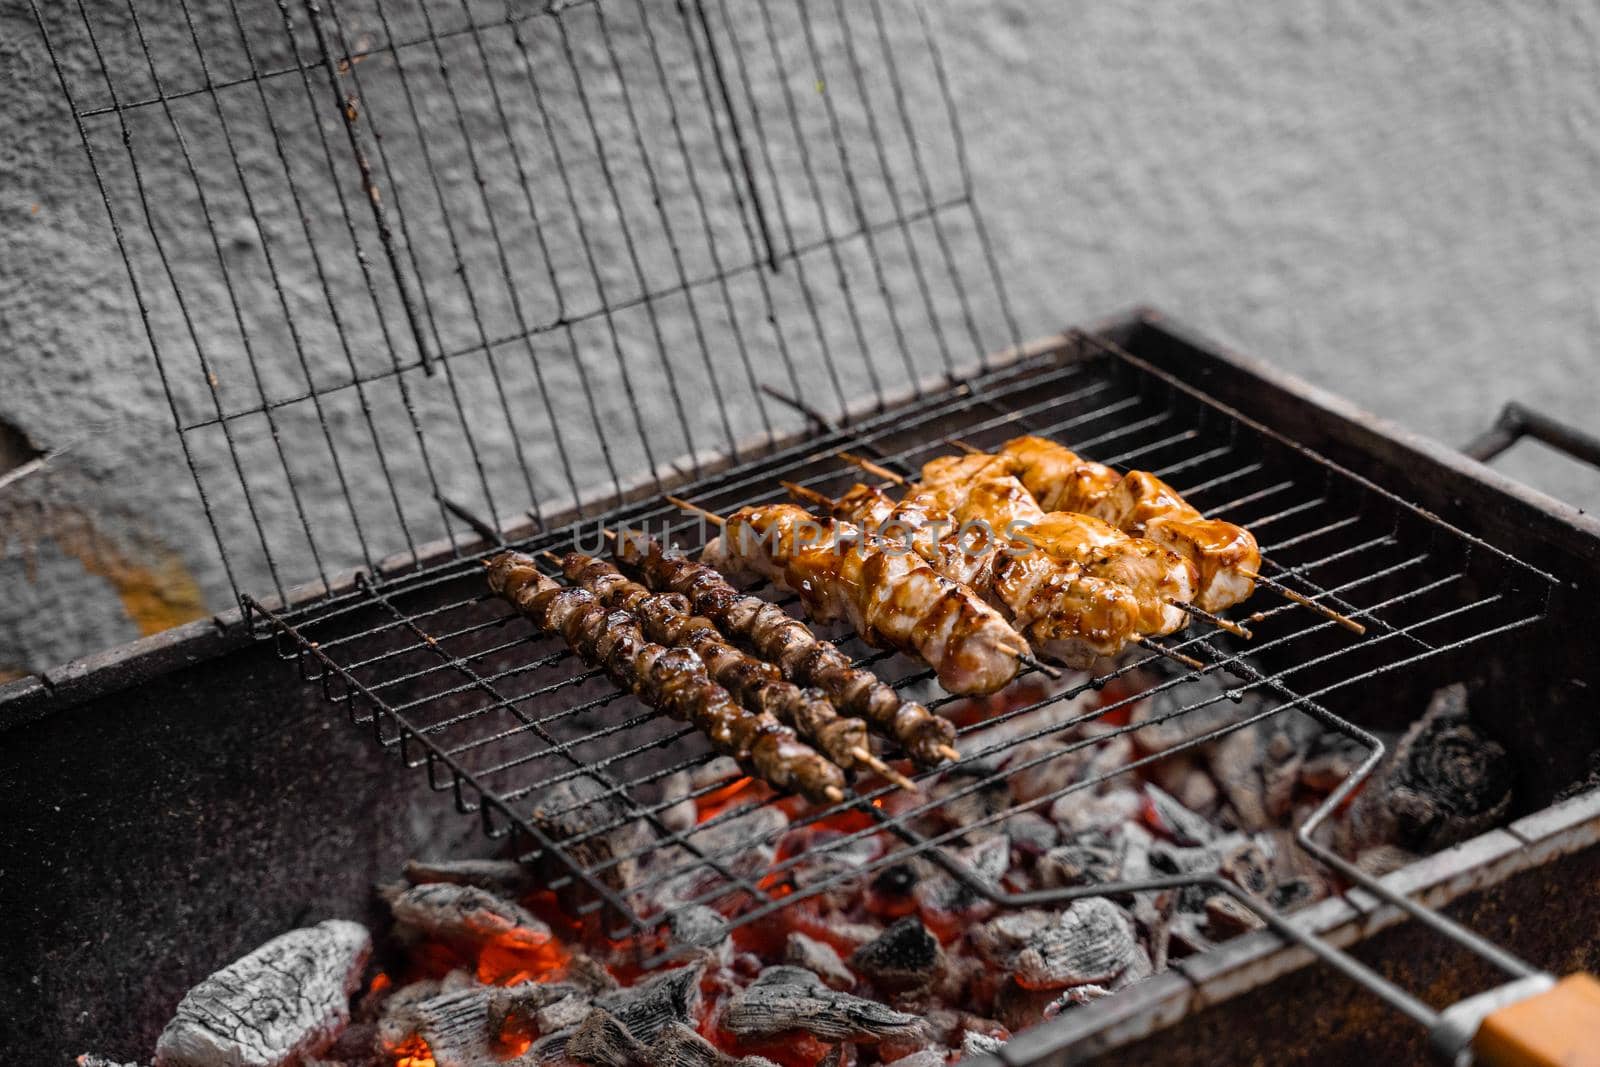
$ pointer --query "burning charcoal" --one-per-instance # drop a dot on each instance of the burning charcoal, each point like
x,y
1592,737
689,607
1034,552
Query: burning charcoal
x,y
1138,970
92,1059
470,920
822,861
1031,835
820,958
589,974
1181,713
1226,917
455,1024
982,793
283,1002
680,1046
1092,941
1171,818
1235,763
570,813
987,862
903,958
503,878
1084,810
976,1044
928,1057
548,1051
785,999
1019,1007
1074,997
679,813
699,927
560,1006
603,1041
1001,938
644,1008
1448,781
1153,913
1048,764
745,845
1242,860
1091,859
1185,936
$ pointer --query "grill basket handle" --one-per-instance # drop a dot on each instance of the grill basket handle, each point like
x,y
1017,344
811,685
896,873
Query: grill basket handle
x,y
1516,422
1559,1027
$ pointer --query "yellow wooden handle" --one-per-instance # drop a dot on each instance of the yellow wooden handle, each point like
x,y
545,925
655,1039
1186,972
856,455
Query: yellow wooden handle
x,y
1557,1028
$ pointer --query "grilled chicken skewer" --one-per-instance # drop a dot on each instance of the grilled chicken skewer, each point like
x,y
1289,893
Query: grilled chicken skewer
x,y
1068,616
1139,504
1226,556
671,679
801,655
892,598
759,685
1161,581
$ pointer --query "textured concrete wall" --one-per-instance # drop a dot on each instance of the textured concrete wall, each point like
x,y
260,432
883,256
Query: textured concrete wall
x,y
1395,201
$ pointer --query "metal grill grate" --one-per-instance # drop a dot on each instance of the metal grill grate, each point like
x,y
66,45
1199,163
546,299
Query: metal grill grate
x,y
455,683
403,262
393,252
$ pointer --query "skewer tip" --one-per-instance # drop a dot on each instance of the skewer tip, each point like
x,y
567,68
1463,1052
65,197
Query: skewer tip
x,y
1306,602
1170,653
949,752
872,468
834,794
867,759
696,509
967,447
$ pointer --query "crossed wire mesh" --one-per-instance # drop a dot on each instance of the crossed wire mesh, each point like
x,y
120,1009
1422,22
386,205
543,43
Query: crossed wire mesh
x,y
455,682
393,252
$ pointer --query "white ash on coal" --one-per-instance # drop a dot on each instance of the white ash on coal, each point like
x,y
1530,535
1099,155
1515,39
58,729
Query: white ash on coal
x,y
286,1001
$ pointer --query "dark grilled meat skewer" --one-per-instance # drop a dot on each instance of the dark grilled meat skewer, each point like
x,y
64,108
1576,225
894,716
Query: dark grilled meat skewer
x,y
759,685
671,679
801,655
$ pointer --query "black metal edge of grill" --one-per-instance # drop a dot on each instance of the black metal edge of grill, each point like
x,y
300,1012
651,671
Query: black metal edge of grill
x,y
500,818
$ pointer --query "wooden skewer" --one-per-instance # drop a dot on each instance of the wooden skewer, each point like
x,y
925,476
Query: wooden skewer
x,y
969,449
1215,620
866,758
834,794
1187,661
809,496
949,752
873,468
1030,661
1304,601
697,510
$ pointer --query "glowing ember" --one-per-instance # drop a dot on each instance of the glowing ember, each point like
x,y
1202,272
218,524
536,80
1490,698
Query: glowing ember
x,y
413,1052
521,955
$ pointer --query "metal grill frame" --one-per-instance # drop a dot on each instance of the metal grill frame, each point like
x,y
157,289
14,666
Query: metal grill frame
x,y
423,368
984,409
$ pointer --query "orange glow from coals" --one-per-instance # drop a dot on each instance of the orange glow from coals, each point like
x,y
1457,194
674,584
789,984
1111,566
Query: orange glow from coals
x,y
413,1052
380,982
521,955
724,797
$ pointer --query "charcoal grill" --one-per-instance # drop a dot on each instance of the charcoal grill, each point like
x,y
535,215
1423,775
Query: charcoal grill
x,y
424,226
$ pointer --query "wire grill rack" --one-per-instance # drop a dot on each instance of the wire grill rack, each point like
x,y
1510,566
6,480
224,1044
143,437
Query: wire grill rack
x,y
499,716
392,252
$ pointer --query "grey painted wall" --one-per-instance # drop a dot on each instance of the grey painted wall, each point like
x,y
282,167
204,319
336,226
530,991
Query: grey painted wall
x,y
1395,201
